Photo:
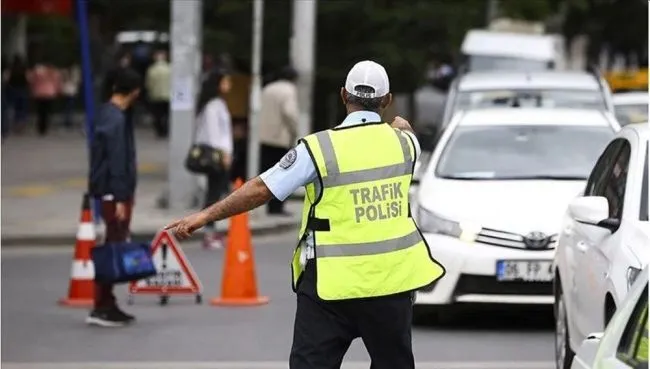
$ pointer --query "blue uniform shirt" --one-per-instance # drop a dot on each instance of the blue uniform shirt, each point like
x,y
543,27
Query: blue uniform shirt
x,y
296,169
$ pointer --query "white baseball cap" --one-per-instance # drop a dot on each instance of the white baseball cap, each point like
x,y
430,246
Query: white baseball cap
x,y
370,74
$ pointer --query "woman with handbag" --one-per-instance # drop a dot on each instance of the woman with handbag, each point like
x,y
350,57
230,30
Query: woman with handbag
x,y
211,153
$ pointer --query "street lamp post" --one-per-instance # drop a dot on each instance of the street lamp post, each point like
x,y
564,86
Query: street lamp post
x,y
256,91
302,58
185,55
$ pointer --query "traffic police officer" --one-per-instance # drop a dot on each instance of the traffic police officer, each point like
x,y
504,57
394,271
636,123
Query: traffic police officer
x,y
360,255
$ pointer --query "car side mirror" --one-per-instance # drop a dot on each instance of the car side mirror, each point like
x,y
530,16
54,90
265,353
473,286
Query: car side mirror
x,y
593,210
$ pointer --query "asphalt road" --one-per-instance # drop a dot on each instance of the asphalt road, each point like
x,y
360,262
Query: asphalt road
x,y
35,330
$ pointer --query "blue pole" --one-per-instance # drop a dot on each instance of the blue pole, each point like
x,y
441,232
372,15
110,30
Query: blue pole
x,y
86,70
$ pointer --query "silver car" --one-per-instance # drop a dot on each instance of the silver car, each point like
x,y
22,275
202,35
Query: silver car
x,y
556,89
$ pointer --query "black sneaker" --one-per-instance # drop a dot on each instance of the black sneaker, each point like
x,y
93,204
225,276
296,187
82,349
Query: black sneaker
x,y
127,317
107,318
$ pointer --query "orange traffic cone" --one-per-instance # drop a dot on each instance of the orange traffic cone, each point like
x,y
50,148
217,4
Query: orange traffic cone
x,y
82,286
238,286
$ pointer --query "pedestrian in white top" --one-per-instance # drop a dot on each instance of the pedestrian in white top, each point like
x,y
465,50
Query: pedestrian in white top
x,y
214,128
279,126
158,86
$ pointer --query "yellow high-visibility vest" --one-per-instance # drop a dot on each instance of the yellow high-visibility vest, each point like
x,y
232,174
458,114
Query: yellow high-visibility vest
x,y
366,243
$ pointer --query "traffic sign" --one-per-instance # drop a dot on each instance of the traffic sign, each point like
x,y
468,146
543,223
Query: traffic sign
x,y
175,273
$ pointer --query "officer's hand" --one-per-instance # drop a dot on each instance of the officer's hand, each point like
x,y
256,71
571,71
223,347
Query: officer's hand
x,y
401,124
184,228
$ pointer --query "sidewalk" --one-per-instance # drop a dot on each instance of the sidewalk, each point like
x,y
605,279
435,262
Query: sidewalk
x,y
43,180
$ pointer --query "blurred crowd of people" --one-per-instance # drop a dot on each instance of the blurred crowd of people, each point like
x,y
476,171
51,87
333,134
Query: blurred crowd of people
x,y
37,88
156,73
35,92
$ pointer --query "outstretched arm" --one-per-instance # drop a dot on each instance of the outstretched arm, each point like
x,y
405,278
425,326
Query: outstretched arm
x,y
294,170
249,196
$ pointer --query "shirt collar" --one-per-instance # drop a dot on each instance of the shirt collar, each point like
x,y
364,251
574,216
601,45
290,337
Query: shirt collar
x,y
360,117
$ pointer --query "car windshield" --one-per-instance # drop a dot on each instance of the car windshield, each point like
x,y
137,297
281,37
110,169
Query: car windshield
x,y
582,99
522,152
631,113
483,63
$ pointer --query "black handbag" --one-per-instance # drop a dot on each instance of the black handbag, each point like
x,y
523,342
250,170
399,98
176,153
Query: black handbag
x,y
204,159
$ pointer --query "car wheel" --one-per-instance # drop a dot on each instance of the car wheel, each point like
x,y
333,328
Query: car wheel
x,y
563,353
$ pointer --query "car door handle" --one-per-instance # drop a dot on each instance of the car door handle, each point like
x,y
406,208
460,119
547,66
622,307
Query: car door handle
x,y
582,246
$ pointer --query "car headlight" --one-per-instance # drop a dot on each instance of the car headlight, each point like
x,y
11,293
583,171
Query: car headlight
x,y
632,274
433,223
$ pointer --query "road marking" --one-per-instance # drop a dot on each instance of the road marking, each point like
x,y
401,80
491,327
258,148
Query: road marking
x,y
31,191
76,182
36,190
150,168
274,365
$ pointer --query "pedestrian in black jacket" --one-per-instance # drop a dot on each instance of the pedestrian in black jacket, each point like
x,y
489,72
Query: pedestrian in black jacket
x,y
113,179
123,63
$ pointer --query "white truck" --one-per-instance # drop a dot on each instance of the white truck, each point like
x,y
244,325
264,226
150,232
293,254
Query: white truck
x,y
513,46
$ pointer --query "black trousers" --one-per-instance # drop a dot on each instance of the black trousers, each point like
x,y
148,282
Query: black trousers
x,y
270,155
43,112
324,330
116,231
160,112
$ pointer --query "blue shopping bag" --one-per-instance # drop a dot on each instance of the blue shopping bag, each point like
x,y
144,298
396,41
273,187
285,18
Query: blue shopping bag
x,y
122,262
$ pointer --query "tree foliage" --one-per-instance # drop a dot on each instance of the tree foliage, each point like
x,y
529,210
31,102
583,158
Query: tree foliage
x,y
403,35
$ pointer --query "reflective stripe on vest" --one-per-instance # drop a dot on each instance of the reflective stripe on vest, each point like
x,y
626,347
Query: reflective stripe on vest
x,y
336,178
366,243
369,248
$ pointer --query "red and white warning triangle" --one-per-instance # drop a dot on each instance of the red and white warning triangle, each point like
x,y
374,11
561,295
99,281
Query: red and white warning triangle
x,y
175,273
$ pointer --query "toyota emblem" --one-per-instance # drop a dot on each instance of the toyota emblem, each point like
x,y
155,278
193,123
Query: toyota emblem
x,y
537,240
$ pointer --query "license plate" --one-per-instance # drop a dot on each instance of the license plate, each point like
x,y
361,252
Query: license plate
x,y
525,270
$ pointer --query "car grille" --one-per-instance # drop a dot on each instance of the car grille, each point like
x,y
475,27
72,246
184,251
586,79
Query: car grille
x,y
489,285
496,237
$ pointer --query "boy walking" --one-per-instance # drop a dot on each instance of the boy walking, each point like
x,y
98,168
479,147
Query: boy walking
x,y
113,178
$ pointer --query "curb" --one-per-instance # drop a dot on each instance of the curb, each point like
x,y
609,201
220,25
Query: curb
x,y
142,236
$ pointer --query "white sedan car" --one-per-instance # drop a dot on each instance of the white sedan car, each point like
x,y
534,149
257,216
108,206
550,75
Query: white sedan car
x,y
550,89
624,344
492,196
604,241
